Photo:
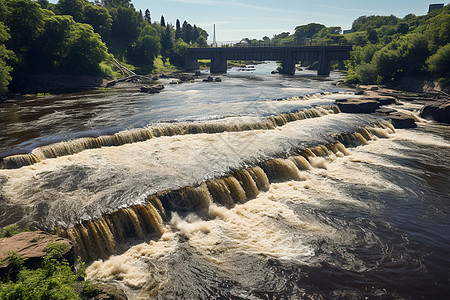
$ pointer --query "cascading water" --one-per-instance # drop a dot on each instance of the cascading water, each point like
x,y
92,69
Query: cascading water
x,y
265,199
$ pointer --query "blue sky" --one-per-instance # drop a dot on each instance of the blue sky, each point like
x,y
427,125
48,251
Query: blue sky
x,y
256,18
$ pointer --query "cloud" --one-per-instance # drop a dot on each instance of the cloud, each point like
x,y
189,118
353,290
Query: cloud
x,y
352,9
230,4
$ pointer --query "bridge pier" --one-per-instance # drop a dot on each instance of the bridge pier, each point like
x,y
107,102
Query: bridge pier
x,y
324,64
288,64
190,62
218,64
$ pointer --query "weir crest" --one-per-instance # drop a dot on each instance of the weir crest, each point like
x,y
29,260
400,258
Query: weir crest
x,y
110,234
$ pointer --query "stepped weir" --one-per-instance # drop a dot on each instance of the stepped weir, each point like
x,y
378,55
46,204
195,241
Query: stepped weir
x,y
111,233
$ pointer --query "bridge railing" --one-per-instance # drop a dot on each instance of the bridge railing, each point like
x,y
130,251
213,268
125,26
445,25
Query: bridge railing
x,y
278,44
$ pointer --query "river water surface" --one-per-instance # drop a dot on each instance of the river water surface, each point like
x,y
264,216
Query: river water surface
x,y
221,198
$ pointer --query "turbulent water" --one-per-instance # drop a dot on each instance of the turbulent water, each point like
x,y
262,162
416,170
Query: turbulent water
x,y
216,190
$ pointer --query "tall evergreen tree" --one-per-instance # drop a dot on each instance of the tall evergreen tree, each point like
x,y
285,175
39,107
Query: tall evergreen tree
x,y
163,22
178,30
166,42
195,34
147,16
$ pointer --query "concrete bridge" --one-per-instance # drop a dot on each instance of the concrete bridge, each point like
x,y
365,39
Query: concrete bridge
x,y
288,55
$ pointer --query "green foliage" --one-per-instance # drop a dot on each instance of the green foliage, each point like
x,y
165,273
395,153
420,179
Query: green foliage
x,y
16,264
146,48
54,280
439,63
308,31
177,55
90,289
126,23
11,230
5,55
407,48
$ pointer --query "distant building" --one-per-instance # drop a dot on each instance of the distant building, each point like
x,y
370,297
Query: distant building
x,y
435,6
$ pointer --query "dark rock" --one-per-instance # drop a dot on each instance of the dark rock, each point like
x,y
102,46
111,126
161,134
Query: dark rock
x,y
109,292
218,79
152,89
31,246
209,79
198,73
384,100
359,92
274,72
385,111
438,111
358,106
402,120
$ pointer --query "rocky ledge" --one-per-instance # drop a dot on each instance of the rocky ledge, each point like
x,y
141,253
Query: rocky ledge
x,y
364,105
438,111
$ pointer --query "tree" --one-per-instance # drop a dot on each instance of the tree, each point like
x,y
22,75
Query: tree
x,y
5,55
126,24
98,17
163,22
147,16
372,36
307,31
177,55
166,42
402,28
177,30
439,63
195,33
24,22
74,8
43,3
146,48
85,50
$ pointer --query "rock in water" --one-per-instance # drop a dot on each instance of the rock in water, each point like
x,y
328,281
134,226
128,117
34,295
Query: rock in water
x,y
402,120
438,111
358,106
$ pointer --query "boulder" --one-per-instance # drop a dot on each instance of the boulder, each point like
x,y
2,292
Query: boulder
x,y
209,79
363,106
31,246
218,79
152,89
438,111
402,120
109,292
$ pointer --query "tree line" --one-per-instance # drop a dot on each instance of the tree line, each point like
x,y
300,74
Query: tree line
x,y
77,37
385,47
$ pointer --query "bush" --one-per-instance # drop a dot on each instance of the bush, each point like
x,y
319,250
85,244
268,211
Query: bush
x,y
439,63
54,280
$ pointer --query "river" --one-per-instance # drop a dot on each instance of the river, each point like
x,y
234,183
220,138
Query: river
x,y
255,187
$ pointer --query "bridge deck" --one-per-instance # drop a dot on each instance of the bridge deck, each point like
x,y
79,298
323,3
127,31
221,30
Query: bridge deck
x,y
288,55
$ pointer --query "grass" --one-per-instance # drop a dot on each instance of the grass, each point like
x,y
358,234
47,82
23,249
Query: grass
x,y
162,65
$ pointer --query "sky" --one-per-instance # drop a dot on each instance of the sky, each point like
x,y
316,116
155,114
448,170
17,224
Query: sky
x,y
257,18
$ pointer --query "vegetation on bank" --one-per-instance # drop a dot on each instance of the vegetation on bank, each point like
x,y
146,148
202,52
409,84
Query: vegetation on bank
x,y
77,37
55,279
386,48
